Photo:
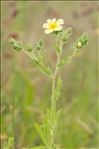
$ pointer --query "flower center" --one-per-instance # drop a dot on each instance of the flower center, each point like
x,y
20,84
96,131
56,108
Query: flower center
x,y
53,25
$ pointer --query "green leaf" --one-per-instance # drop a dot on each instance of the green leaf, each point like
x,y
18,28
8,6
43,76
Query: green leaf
x,y
57,91
39,45
62,62
40,131
59,86
64,34
46,70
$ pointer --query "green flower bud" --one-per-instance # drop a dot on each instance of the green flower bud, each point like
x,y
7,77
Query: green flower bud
x,y
12,41
82,41
40,42
29,48
79,45
39,45
17,46
64,34
67,34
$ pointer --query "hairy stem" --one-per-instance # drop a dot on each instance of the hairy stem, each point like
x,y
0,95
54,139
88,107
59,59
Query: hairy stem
x,y
53,102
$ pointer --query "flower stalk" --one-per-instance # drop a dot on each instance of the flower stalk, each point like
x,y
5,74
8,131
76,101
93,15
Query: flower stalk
x,y
53,101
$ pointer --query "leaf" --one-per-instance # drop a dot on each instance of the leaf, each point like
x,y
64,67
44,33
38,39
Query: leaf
x,y
62,62
59,83
39,45
57,49
46,70
57,90
64,35
59,86
40,131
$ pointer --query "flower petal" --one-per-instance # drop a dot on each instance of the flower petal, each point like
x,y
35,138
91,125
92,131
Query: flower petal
x,y
47,31
49,20
60,21
54,20
45,25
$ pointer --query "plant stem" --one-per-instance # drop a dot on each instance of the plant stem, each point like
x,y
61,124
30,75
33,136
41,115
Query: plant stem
x,y
53,102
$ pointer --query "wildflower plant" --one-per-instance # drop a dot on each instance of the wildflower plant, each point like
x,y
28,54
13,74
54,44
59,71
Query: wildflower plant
x,y
48,129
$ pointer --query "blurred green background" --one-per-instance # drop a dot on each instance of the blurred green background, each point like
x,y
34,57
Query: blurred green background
x,y
26,92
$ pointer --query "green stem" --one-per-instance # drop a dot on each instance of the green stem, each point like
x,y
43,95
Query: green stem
x,y
53,102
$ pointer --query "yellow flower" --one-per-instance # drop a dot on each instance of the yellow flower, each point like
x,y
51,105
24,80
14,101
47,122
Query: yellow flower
x,y
53,25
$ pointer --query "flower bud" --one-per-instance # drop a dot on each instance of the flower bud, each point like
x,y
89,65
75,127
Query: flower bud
x,y
29,48
12,41
17,46
67,34
79,45
39,45
82,41
64,34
